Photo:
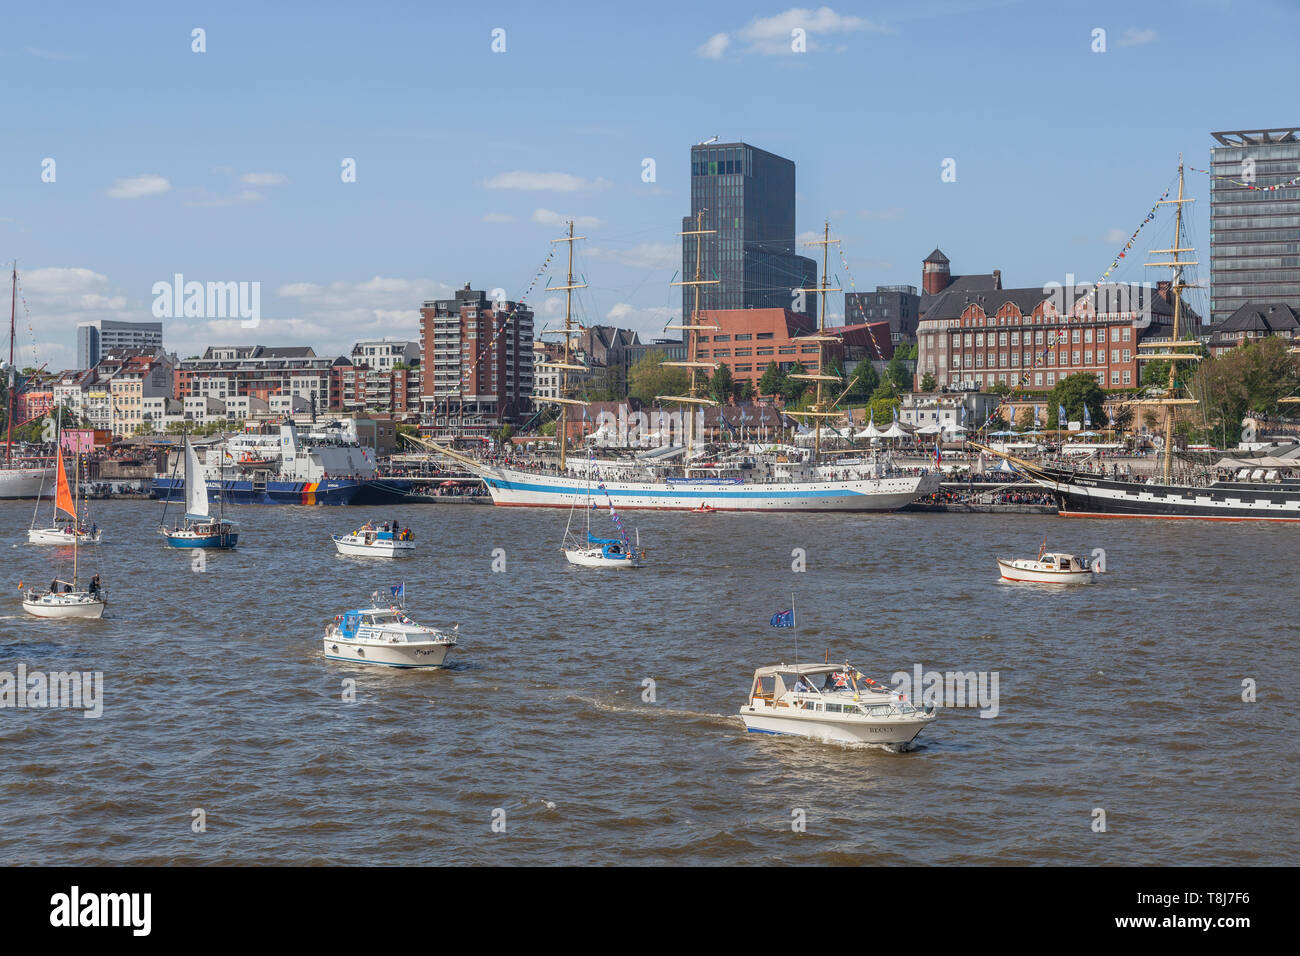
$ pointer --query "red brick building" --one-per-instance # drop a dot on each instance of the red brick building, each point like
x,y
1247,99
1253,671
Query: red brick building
x,y
748,340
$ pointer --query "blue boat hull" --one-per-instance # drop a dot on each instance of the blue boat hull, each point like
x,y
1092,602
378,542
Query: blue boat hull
x,y
211,542
241,492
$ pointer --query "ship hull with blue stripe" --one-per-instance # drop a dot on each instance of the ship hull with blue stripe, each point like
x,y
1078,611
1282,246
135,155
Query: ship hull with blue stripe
x,y
332,491
524,489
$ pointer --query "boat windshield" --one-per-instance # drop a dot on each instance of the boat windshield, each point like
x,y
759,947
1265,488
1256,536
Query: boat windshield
x,y
382,618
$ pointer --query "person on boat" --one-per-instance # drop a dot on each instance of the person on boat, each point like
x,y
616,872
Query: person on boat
x,y
54,586
800,687
94,586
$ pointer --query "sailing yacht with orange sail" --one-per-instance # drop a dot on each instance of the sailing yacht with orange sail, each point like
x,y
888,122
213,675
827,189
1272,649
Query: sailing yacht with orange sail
x,y
67,598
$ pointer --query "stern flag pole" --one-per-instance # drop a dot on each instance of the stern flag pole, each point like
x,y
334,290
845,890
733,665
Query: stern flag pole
x,y
794,621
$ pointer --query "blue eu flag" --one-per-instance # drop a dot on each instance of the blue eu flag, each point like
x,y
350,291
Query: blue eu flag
x,y
783,618
399,591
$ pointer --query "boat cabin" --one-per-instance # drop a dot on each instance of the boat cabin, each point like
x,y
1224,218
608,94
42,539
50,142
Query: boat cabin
x,y
785,684
1059,561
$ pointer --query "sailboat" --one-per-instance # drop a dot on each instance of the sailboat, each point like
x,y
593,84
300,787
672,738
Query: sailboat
x,y
200,529
601,552
72,601
68,532
17,480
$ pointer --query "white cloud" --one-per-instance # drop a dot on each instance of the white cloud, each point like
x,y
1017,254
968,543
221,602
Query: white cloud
x,y
647,255
1135,37
714,46
772,35
498,217
548,217
263,179
57,298
247,195
1117,235
804,238
550,182
149,184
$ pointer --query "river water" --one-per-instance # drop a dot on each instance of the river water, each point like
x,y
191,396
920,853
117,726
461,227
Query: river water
x,y
1124,696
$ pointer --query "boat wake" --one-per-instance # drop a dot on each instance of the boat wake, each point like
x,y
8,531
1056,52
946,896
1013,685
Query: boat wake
x,y
653,710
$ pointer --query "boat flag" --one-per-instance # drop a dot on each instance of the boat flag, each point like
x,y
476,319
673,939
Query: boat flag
x,y
783,618
399,590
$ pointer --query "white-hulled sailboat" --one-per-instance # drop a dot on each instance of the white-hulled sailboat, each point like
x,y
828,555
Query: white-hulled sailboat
x,y
62,532
199,529
601,552
72,601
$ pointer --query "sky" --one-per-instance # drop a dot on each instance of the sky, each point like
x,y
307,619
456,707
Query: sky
x,y
227,164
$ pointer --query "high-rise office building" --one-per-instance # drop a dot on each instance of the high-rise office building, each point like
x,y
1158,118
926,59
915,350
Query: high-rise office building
x,y
747,195
1254,233
97,338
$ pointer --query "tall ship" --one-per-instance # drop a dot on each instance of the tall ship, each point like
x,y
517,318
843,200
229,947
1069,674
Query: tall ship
x,y
736,479
1231,489
18,479
325,465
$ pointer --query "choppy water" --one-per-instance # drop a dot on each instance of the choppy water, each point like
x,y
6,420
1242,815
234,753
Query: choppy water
x,y
1124,695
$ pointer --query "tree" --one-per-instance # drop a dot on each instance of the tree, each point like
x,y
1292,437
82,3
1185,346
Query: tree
x,y
743,391
1000,388
896,372
773,381
1075,392
907,350
1244,381
649,378
928,383
793,388
1025,420
720,384
864,381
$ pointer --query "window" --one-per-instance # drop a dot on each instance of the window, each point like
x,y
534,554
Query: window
x,y
1002,338
1051,378
1114,355
722,338
722,353
968,340
1002,360
763,335
766,351
1128,355
787,350
744,337
1087,335
1075,339
1015,359
1101,335
1128,377
1038,378
1015,338
744,351
1074,359
1114,378
979,359
956,360
1101,379
979,339
1038,337
1128,334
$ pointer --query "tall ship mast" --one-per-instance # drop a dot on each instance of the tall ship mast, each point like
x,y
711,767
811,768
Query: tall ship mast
x,y
692,329
567,365
17,480
1230,489
819,409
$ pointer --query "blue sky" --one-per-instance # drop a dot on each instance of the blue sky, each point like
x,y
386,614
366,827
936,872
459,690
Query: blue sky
x,y
225,165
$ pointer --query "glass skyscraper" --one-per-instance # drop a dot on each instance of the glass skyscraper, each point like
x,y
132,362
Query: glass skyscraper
x,y
1254,233
747,195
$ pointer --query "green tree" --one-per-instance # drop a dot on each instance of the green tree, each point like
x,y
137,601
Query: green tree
x,y
907,350
928,383
1000,388
773,381
649,378
1075,392
743,391
896,372
720,384
1245,381
865,380
794,388
1025,420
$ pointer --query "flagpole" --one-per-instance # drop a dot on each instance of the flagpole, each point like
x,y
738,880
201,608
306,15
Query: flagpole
x,y
794,623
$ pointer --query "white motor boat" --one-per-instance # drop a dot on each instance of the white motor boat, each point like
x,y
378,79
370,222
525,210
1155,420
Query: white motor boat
x,y
68,603
1052,567
385,635
830,703
371,542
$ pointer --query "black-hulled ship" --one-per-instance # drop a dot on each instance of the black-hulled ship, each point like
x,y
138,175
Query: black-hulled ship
x,y
1261,489
1231,489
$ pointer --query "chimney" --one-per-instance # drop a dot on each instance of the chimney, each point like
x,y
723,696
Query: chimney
x,y
1162,289
997,278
